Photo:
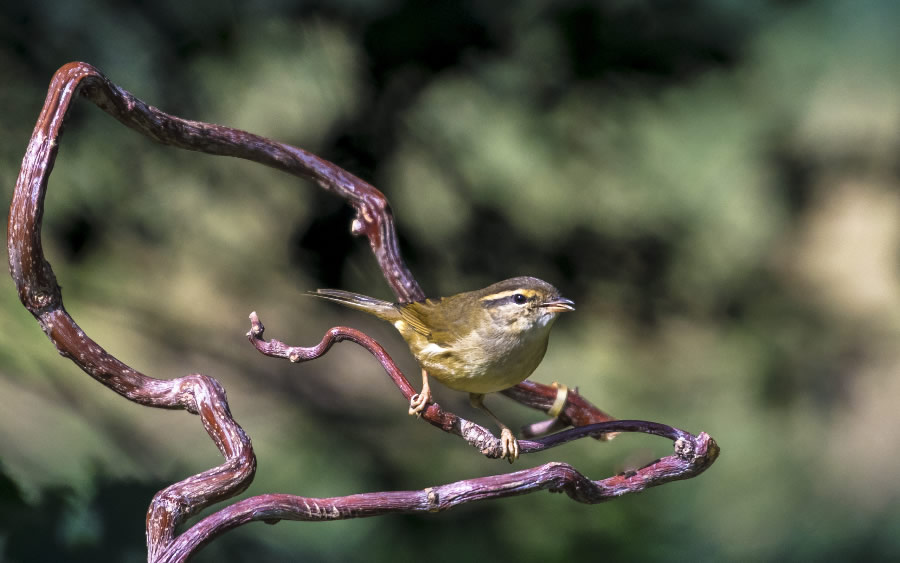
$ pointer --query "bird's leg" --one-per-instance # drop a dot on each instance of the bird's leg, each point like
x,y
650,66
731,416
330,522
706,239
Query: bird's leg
x,y
507,440
419,401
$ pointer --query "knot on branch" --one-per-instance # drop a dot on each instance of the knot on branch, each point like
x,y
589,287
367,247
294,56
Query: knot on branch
x,y
42,299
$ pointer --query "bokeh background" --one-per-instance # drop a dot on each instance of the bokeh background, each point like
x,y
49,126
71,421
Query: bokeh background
x,y
715,183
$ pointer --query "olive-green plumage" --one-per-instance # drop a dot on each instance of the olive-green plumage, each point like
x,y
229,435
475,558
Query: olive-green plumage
x,y
479,341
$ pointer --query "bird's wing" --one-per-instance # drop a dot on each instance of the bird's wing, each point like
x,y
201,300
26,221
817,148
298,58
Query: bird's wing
x,y
445,321
411,314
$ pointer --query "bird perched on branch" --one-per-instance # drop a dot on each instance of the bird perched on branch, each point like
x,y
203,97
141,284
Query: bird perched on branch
x,y
479,341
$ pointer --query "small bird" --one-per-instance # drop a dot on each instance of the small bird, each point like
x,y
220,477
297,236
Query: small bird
x,y
479,342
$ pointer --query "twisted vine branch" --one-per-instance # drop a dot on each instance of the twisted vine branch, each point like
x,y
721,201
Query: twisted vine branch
x,y
202,395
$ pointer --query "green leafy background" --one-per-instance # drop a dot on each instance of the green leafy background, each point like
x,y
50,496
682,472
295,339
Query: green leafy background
x,y
715,183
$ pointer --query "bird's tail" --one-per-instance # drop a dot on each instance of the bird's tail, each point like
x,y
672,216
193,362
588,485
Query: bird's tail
x,y
384,310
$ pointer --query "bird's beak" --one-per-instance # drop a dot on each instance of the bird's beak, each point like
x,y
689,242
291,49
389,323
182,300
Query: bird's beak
x,y
559,305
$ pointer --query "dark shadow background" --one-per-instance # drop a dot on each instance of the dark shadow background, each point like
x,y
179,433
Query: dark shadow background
x,y
714,183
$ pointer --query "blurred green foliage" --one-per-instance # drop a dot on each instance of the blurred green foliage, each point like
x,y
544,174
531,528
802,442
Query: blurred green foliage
x,y
714,183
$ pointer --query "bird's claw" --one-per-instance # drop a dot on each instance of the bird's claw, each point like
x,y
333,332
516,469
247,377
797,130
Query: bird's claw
x,y
510,445
418,402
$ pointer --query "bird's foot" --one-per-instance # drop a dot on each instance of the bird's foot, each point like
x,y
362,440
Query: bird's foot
x,y
510,445
418,402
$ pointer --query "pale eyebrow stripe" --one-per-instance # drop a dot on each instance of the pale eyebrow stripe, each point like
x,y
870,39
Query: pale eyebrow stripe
x,y
496,296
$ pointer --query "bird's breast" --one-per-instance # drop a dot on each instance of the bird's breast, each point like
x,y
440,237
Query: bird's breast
x,y
481,364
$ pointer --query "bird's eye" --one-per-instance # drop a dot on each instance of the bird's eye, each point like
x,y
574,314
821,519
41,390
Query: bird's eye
x,y
519,299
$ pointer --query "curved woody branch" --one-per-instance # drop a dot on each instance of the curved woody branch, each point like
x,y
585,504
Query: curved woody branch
x,y
202,395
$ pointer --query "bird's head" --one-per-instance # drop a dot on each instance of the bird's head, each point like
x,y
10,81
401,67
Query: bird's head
x,y
523,304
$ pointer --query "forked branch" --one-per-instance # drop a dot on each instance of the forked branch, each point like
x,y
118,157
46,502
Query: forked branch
x,y
202,395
